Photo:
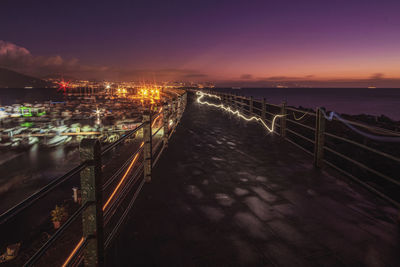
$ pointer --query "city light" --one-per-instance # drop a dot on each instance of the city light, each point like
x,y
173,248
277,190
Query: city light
x,y
237,113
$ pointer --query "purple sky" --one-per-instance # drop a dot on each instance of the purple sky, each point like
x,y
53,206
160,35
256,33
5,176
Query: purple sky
x,y
204,40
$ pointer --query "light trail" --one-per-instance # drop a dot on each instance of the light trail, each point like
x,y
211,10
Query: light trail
x,y
237,113
370,136
73,252
122,179
301,117
154,121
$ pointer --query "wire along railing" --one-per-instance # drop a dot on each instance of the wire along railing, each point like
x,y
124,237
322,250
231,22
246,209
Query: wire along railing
x,y
367,154
110,180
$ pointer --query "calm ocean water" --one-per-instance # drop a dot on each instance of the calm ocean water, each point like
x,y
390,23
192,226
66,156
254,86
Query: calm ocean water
x,y
353,101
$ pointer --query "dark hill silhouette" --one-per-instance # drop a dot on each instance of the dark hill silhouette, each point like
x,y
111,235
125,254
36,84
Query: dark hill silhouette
x,y
13,79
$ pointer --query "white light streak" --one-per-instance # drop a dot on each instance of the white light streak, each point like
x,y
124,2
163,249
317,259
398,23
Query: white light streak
x,y
301,117
237,113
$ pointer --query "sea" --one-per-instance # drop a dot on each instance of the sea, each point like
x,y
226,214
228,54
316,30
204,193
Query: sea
x,y
24,172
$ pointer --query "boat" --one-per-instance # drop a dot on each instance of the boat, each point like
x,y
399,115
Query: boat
x,y
86,128
236,88
5,145
28,142
58,140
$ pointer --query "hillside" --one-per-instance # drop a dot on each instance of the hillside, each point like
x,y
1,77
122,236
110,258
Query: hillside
x,y
12,79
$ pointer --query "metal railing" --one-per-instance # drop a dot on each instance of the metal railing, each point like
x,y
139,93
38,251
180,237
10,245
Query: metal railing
x,y
307,130
108,188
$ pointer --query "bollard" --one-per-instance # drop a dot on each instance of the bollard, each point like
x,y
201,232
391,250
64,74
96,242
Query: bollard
x,y
92,216
283,120
165,124
251,105
75,194
147,153
263,109
319,138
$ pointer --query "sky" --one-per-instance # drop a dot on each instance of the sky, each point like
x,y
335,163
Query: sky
x,y
231,41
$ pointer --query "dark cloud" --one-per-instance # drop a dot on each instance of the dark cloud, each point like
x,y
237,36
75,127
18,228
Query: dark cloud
x,y
20,59
196,75
246,76
377,76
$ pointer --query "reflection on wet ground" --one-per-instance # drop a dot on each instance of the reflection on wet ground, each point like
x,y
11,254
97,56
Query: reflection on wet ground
x,y
225,193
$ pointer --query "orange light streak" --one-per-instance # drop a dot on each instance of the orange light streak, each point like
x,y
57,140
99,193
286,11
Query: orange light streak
x,y
122,179
73,252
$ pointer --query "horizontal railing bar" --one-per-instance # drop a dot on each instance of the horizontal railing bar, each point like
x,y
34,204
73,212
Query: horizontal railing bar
x,y
56,235
157,145
274,105
269,113
73,260
127,181
157,131
371,128
158,156
156,116
301,136
362,166
122,218
364,146
395,203
111,146
122,194
301,111
126,163
39,194
376,129
299,146
300,124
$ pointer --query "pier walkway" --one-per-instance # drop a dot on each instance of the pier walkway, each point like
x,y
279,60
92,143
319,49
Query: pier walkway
x,y
227,193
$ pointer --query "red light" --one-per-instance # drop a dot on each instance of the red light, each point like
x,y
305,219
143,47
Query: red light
x,y
63,86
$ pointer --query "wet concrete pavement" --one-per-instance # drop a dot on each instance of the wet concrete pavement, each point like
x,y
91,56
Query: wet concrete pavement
x,y
226,193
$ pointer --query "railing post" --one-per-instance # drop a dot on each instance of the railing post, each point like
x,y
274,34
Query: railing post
x,y
147,153
178,107
263,109
283,120
251,105
92,216
165,124
241,104
319,138
184,100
